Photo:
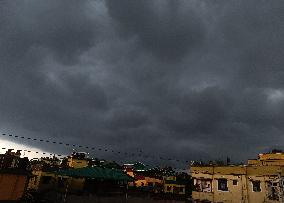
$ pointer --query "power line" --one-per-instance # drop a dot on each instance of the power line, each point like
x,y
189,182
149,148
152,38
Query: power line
x,y
141,154
36,152
60,156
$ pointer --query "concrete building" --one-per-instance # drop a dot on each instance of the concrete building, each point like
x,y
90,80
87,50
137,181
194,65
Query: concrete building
x,y
173,186
77,160
268,159
42,173
14,176
259,181
12,184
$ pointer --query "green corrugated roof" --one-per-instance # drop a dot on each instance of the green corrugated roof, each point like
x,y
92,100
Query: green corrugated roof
x,y
96,172
139,166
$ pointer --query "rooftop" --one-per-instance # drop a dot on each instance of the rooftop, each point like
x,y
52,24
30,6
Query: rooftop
x,y
95,172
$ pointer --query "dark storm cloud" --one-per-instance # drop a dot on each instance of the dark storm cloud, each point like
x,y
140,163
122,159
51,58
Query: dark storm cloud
x,y
163,28
188,79
29,24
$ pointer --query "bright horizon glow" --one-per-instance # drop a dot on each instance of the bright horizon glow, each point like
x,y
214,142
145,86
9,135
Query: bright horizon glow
x,y
11,145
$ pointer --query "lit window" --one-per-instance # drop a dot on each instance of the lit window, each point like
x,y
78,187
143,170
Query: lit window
x,y
222,185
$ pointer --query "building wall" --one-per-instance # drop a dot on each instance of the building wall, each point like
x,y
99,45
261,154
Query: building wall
x,y
268,159
140,183
239,183
153,181
205,196
265,175
77,163
148,181
210,192
39,181
72,184
261,196
76,184
233,192
12,186
278,157
34,181
174,189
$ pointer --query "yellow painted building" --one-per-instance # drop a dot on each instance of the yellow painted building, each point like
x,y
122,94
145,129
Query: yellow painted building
x,y
41,180
268,159
259,181
77,160
172,186
140,179
34,181
43,176
144,181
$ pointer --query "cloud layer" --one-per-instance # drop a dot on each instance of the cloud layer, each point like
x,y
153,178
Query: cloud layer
x,y
189,79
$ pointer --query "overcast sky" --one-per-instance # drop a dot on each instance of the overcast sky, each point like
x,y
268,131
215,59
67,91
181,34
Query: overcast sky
x,y
192,79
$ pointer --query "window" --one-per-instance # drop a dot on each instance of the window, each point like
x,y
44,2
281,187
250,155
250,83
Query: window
x,y
235,182
256,186
169,188
222,185
203,185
